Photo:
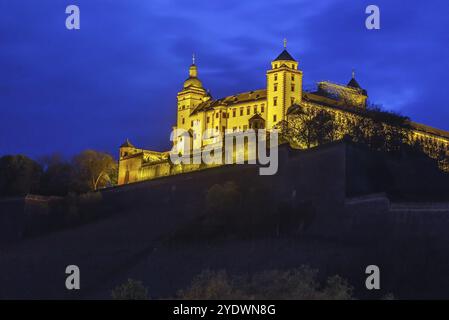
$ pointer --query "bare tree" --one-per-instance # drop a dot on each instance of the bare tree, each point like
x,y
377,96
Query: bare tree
x,y
94,169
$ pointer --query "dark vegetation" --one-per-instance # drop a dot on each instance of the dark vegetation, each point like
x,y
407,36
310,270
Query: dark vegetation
x,y
379,130
130,290
293,284
87,171
65,186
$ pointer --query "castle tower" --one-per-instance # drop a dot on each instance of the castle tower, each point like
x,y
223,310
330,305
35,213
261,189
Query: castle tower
x,y
284,87
361,96
126,149
191,95
128,166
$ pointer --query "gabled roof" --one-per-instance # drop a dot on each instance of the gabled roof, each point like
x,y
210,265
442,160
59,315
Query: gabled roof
x,y
284,56
257,116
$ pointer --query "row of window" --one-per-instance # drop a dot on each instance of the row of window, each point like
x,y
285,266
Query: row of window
x,y
276,77
276,66
275,87
223,128
275,101
226,115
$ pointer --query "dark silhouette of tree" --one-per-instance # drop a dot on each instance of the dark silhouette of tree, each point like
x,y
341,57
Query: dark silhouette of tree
x,y
308,128
19,175
94,170
443,159
380,130
57,177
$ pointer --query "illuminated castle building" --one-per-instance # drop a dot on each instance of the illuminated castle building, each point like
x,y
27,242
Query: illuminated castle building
x,y
262,108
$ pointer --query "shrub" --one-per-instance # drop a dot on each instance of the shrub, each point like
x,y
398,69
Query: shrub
x,y
130,290
336,288
211,285
293,284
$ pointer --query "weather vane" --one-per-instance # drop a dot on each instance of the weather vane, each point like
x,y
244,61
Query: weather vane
x,y
193,58
285,42
353,74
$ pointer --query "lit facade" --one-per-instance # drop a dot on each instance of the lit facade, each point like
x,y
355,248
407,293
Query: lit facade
x,y
262,108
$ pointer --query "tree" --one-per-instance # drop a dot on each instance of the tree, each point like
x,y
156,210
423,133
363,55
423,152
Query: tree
x,y
94,170
380,130
211,285
306,128
443,159
19,175
57,177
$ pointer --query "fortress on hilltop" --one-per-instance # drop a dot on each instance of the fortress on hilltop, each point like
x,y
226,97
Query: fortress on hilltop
x,y
258,109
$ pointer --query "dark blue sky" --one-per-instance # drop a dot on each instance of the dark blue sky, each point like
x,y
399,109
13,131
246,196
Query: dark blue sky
x,y
65,91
